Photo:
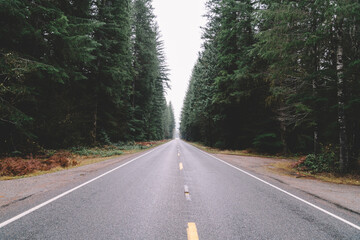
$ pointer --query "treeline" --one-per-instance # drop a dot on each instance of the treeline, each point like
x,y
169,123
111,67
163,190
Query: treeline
x,y
278,76
81,72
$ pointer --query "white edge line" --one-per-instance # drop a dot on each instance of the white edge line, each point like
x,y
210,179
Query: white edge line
x,y
281,190
17,217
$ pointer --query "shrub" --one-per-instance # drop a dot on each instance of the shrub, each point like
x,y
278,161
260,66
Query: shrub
x,y
323,162
268,142
104,137
220,144
106,151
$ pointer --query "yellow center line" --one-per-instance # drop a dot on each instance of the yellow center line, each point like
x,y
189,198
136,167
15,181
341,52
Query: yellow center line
x,y
178,154
192,231
181,166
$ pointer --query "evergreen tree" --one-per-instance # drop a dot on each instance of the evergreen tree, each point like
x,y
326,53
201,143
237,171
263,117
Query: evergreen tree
x,y
225,102
289,41
111,71
150,74
169,121
305,43
344,16
41,40
158,103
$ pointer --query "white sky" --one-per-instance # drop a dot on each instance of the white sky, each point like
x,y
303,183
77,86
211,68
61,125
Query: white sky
x,y
179,22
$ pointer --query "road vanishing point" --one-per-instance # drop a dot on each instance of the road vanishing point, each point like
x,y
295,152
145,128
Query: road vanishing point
x,y
176,191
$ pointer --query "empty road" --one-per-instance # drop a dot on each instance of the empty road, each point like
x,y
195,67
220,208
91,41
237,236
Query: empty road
x,y
176,191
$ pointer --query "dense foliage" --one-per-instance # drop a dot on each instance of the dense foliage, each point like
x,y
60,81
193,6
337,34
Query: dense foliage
x,y
80,72
278,76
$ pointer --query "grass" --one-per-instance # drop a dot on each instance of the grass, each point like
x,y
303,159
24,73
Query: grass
x,y
15,168
101,152
287,167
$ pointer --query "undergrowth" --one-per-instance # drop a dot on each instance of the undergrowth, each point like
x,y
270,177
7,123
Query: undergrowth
x,y
111,150
83,151
16,166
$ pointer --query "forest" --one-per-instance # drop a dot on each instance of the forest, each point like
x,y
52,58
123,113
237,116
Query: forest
x,y
81,73
279,76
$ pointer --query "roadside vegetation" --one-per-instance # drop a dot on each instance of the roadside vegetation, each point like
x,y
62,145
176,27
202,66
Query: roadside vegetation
x,y
56,160
293,169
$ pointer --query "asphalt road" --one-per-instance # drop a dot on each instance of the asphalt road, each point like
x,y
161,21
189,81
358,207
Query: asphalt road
x,y
179,192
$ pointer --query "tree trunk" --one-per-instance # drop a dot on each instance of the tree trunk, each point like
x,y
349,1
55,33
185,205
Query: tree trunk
x,y
315,68
344,158
283,137
314,88
133,94
282,118
354,151
209,131
316,139
93,132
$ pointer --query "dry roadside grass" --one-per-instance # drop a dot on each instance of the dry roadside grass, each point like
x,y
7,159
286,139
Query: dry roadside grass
x,y
82,161
78,161
287,167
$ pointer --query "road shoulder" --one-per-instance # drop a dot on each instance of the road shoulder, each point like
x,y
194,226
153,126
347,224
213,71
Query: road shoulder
x,y
340,195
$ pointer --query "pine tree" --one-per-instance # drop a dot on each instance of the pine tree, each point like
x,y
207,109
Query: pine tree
x,y
149,74
158,102
226,81
345,17
169,121
41,41
290,40
111,72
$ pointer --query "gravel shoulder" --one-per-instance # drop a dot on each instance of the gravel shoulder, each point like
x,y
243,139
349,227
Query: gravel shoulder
x,y
340,195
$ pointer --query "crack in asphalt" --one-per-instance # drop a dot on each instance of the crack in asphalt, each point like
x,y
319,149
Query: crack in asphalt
x,y
17,200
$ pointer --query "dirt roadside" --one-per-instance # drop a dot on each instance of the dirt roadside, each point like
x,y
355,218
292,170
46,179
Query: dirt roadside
x,y
344,196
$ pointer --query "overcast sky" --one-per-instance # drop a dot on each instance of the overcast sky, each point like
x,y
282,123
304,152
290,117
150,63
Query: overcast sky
x,y
179,22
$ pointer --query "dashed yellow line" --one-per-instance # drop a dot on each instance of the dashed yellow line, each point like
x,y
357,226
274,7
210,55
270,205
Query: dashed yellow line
x,y
178,154
192,231
181,166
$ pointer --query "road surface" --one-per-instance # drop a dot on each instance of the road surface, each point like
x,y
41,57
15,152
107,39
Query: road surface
x,y
176,191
